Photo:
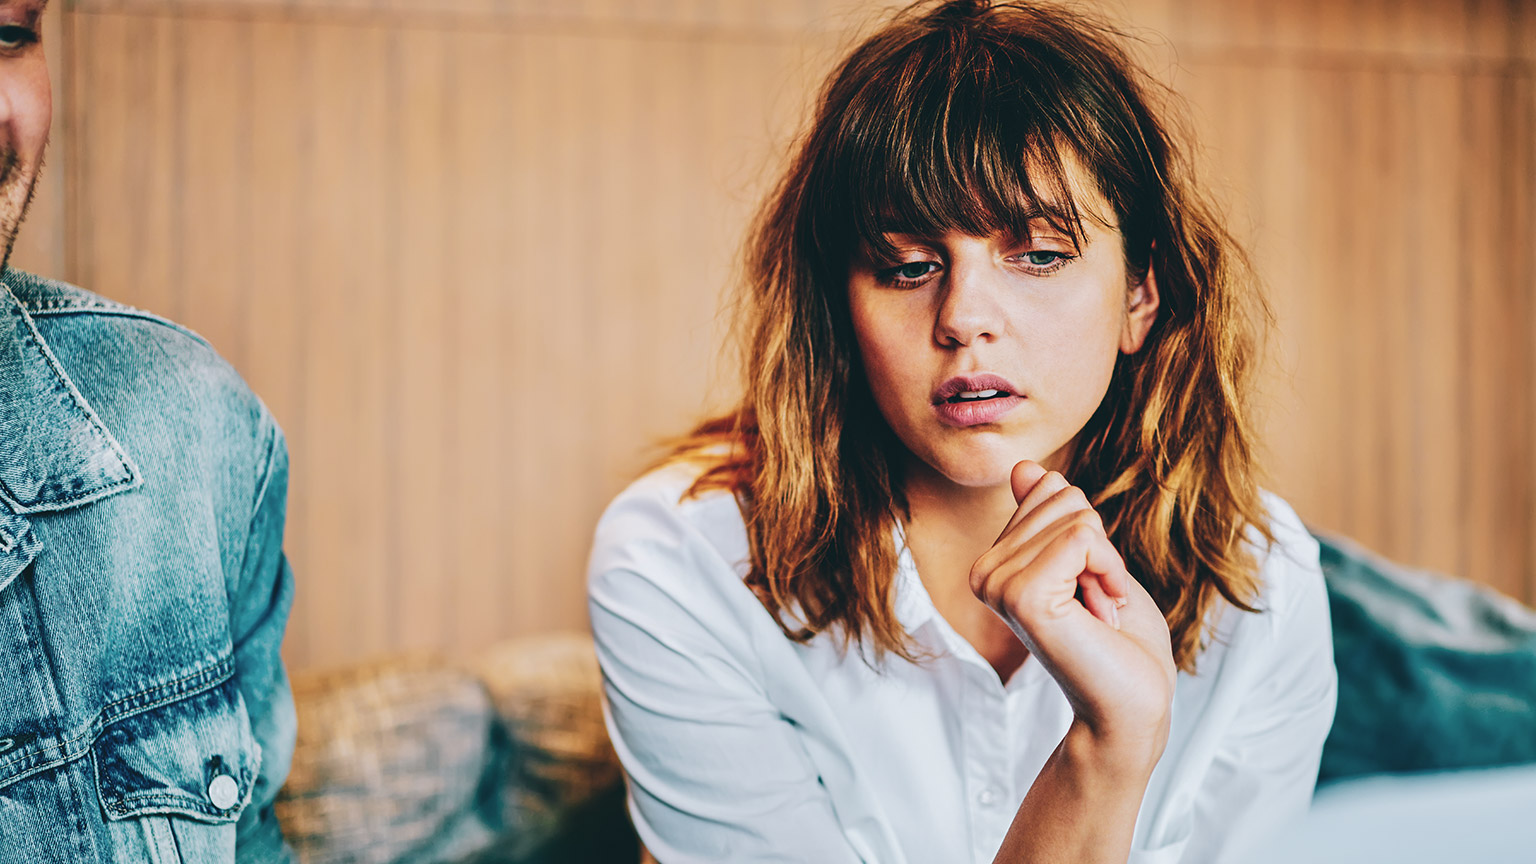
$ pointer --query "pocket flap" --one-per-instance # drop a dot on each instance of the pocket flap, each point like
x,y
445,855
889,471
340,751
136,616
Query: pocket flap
x,y
194,757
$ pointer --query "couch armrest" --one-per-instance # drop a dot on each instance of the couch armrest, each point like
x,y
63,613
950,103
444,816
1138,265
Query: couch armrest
x,y
547,693
389,763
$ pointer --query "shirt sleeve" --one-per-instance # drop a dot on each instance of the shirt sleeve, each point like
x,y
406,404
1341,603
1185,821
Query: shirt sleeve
x,y
1261,780
258,617
715,771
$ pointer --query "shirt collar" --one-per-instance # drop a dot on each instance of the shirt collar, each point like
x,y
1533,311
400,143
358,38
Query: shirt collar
x,y
55,452
914,607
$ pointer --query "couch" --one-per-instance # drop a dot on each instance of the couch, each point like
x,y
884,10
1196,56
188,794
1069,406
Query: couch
x,y
418,759
504,758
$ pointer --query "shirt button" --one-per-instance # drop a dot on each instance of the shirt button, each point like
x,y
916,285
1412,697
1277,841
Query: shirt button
x,y
987,797
224,792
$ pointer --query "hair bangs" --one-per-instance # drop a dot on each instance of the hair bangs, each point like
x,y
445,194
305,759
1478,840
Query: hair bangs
x,y
965,143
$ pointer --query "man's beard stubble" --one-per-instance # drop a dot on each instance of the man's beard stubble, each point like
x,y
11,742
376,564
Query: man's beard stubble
x,y
11,177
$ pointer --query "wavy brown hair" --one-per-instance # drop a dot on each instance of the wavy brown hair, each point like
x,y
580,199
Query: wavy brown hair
x,y
964,116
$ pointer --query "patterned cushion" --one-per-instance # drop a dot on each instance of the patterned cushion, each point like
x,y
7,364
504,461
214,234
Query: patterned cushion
x,y
546,689
1434,673
423,761
388,764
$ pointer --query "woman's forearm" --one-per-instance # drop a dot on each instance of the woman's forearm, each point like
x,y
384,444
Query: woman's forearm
x,y
1082,807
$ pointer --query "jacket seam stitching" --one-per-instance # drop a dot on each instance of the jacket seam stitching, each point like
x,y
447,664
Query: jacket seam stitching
x,y
118,312
219,673
63,383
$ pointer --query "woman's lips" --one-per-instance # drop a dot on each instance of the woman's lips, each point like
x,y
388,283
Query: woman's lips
x,y
978,412
950,401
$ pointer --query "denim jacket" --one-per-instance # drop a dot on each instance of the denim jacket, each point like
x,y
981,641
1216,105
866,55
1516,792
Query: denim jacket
x,y
145,715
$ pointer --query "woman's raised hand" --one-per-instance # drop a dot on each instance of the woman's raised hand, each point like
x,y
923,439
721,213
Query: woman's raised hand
x,y
1060,584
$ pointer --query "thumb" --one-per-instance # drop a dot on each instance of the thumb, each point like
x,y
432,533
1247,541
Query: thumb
x,y
1025,475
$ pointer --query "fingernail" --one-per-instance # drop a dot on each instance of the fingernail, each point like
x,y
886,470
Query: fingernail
x,y
1114,617
1121,601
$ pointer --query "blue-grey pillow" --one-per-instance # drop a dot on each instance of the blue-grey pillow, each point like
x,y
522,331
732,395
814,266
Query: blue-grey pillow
x,y
1434,673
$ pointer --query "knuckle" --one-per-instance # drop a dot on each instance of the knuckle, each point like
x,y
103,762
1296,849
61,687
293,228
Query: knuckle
x,y
980,573
1015,597
1081,532
1087,521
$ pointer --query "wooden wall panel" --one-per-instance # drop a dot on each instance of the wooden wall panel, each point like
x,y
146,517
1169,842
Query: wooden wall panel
x,y
485,278
1386,211
351,314
471,254
276,333
422,218
1433,364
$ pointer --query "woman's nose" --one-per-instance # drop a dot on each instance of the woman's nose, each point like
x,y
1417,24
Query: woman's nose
x,y
969,309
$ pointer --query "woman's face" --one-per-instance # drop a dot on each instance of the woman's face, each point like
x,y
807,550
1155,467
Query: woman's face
x,y
984,351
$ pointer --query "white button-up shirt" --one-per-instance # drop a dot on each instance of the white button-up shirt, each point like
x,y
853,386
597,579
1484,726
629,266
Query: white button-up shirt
x,y
742,745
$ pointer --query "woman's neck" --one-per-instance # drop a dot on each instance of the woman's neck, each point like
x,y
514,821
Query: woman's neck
x,y
948,528
953,516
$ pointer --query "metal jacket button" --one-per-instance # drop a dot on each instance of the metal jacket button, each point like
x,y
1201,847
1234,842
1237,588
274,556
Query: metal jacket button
x,y
224,792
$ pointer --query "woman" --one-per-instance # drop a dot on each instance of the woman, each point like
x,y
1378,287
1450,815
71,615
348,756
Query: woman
x,y
978,569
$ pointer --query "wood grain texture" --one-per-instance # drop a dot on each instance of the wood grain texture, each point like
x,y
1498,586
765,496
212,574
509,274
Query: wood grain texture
x,y
471,253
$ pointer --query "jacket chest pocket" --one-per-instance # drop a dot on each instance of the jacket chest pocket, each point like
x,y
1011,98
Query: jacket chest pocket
x,y
176,777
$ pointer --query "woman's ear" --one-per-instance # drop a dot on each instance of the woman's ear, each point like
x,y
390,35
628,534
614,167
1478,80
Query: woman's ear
x,y
1141,301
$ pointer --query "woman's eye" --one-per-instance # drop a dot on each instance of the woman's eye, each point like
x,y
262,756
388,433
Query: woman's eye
x,y
1045,259
13,36
912,271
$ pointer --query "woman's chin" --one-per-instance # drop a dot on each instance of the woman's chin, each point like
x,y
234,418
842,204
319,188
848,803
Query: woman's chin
x,y
984,470
973,479
978,464
973,473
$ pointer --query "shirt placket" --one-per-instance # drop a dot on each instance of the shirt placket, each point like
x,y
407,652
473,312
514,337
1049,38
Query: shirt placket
x,y
988,757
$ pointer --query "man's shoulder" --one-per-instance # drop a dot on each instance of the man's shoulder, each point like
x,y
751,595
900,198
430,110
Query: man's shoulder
x,y
156,387
40,295
113,348
51,301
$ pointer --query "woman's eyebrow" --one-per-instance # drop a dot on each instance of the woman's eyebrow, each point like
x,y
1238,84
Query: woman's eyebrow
x,y
32,9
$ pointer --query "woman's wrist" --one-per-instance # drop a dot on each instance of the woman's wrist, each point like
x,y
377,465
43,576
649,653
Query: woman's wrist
x,y
1119,756
1083,805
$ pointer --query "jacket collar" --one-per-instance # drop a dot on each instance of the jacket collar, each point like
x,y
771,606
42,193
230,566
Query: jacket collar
x,y
55,453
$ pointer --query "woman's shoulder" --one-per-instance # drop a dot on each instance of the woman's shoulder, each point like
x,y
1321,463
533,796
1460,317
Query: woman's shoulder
x,y
671,496
1290,574
1292,599
670,562
663,523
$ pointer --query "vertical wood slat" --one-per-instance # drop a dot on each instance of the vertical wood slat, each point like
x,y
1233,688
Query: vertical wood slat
x,y
454,230
1399,295
1524,162
344,477
1435,360
566,470
120,98
530,191
1361,223
422,279
276,362
1282,256
214,259
483,274
1327,380
1493,410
